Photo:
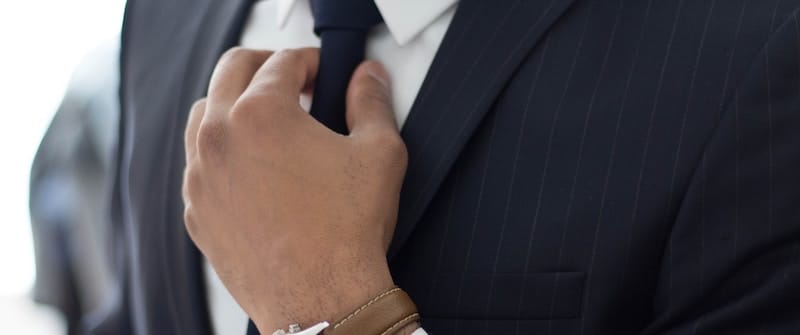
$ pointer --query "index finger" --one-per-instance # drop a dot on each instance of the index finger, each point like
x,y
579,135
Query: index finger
x,y
287,72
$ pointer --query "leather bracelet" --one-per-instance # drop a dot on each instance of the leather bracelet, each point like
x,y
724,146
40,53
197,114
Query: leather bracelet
x,y
385,314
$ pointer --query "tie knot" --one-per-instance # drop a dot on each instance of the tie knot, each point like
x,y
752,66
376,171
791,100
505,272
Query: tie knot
x,y
345,15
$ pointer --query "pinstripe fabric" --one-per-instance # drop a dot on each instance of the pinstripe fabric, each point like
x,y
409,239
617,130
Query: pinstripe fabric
x,y
598,202
577,167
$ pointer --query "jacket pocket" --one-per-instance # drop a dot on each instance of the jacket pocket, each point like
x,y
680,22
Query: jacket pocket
x,y
504,296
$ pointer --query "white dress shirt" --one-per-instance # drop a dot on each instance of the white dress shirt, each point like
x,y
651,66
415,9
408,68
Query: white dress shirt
x,y
405,45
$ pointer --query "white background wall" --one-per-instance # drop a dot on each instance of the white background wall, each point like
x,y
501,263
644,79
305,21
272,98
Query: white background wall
x,y
41,42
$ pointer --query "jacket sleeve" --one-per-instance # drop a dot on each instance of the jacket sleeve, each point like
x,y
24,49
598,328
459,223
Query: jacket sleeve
x,y
732,265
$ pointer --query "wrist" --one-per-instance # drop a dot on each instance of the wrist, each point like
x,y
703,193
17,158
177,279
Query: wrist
x,y
323,288
390,312
355,278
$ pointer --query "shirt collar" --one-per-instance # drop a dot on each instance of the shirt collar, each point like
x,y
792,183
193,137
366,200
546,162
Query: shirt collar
x,y
405,18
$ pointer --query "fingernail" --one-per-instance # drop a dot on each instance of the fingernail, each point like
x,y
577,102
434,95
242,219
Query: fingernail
x,y
377,72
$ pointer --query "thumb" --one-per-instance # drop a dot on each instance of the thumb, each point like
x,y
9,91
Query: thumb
x,y
369,100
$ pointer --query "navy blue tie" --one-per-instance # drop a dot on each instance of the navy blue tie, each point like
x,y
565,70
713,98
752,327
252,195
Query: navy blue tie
x,y
342,26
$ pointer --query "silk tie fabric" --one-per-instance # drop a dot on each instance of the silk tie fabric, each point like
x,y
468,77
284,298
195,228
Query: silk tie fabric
x,y
342,26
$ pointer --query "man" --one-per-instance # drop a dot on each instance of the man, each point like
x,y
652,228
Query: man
x,y
68,191
574,167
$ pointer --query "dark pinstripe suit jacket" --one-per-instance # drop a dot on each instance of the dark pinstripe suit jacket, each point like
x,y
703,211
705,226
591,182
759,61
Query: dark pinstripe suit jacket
x,y
577,167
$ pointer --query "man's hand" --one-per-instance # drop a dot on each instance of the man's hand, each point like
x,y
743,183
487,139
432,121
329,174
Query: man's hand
x,y
295,218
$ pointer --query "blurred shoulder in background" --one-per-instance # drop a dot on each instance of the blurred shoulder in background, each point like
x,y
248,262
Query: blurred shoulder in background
x,y
69,188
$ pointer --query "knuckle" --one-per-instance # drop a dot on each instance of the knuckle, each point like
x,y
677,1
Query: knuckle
x,y
291,56
192,187
191,184
246,111
261,111
235,54
294,58
210,138
363,91
392,148
195,116
189,222
198,106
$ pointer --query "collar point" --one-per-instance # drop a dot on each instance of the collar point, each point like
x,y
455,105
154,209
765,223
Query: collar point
x,y
402,40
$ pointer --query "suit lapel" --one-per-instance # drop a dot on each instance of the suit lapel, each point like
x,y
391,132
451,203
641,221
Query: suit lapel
x,y
222,26
203,31
486,42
